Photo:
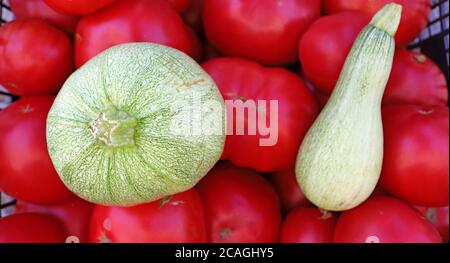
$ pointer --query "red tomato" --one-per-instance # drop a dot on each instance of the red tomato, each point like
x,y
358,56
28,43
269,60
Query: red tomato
x,y
74,214
415,165
245,81
131,21
324,47
415,79
414,14
308,225
27,172
439,217
174,219
24,9
240,206
288,190
180,5
36,57
422,209
78,7
266,31
31,228
384,219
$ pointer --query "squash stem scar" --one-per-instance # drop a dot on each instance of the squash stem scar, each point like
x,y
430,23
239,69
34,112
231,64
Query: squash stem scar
x,y
114,128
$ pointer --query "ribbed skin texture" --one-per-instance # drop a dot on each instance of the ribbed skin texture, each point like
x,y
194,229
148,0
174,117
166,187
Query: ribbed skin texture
x,y
339,161
151,84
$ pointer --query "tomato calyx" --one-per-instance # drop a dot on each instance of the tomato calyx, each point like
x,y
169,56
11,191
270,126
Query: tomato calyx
x,y
78,37
420,58
325,214
114,128
104,239
225,232
168,200
431,214
12,85
27,109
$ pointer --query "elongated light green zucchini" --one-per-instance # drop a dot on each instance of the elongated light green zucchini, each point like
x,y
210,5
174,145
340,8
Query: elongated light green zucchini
x,y
112,131
339,161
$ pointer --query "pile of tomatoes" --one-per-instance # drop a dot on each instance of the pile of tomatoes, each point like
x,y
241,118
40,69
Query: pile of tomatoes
x,y
286,50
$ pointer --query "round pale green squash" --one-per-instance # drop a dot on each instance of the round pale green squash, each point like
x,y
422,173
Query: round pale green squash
x,y
114,132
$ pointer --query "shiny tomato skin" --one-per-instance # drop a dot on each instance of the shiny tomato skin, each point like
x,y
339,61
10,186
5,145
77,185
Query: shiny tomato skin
x,y
240,206
308,225
36,57
74,214
27,172
239,79
131,21
266,31
383,219
324,47
175,219
31,228
291,196
414,14
439,217
415,163
415,79
78,7
24,9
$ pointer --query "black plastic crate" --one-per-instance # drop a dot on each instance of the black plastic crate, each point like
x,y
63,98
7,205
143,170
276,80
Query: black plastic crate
x,y
433,41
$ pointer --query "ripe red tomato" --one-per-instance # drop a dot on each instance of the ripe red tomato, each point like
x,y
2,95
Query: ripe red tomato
x,y
240,206
27,172
439,217
31,228
324,47
288,190
74,214
174,219
180,5
245,81
36,57
78,7
415,165
414,14
24,9
266,31
384,219
131,21
415,79
308,225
